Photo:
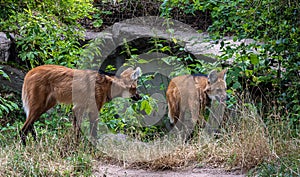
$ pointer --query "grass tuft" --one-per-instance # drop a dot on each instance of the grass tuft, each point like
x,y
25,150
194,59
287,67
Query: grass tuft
x,y
52,155
244,142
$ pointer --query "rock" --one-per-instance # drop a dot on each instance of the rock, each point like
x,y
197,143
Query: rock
x,y
145,27
5,44
15,82
193,42
112,37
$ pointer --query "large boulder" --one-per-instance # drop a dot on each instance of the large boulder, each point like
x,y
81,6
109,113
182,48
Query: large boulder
x,y
5,44
157,27
193,42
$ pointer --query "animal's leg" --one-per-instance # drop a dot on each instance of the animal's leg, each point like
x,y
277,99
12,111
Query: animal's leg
x,y
93,116
34,112
78,114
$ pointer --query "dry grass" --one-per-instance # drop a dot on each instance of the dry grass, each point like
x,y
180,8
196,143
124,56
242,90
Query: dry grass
x,y
243,143
131,151
50,156
242,147
181,157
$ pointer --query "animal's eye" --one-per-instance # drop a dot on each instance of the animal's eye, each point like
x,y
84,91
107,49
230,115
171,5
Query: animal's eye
x,y
132,87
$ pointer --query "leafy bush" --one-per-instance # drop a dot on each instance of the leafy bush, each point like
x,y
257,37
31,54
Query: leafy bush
x,y
122,116
271,61
47,32
6,106
287,166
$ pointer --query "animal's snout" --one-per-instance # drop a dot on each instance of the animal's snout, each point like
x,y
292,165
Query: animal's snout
x,y
136,97
222,99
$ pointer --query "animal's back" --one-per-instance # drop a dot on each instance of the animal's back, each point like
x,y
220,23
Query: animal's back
x,y
192,93
51,81
186,92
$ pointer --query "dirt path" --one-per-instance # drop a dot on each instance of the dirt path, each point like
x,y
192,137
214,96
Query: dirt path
x,y
107,170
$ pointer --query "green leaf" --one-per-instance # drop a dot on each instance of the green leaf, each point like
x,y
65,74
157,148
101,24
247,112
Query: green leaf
x,y
14,105
165,48
2,107
235,39
4,75
148,109
236,85
98,23
254,59
248,72
142,61
145,105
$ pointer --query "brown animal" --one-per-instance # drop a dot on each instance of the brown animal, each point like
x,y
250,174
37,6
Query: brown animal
x,y
192,93
47,85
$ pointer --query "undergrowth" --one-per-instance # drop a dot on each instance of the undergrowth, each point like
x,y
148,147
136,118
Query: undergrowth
x,y
54,154
244,142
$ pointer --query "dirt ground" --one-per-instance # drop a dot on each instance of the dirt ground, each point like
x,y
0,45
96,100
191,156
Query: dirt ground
x,y
107,170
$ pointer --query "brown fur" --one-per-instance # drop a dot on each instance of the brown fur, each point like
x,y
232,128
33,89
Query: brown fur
x,y
192,93
87,90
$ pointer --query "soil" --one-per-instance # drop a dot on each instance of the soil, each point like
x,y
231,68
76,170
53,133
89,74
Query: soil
x,y
108,170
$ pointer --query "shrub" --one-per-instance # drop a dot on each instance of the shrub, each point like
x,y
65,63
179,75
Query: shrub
x,y
271,61
6,106
47,32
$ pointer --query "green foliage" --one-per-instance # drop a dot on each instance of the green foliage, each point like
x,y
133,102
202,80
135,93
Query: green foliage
x,y
271,60
273,57
55,153
269,63
88,59
6,106
3,74
123,116
185,5
47,32
286,166
98,21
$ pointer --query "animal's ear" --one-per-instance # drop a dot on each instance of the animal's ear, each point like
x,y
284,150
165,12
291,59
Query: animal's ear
x,y
136,74
115,82
222,74
212,76
207,88
109,78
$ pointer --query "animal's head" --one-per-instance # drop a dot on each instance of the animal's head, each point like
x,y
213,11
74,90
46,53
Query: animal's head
x,y
126,84
216,88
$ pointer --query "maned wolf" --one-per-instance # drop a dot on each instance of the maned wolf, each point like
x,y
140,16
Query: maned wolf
x,y
47,85
192,93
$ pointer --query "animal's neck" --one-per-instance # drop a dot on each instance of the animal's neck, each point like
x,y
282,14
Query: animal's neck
x,y
104,85
208,100
109,95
